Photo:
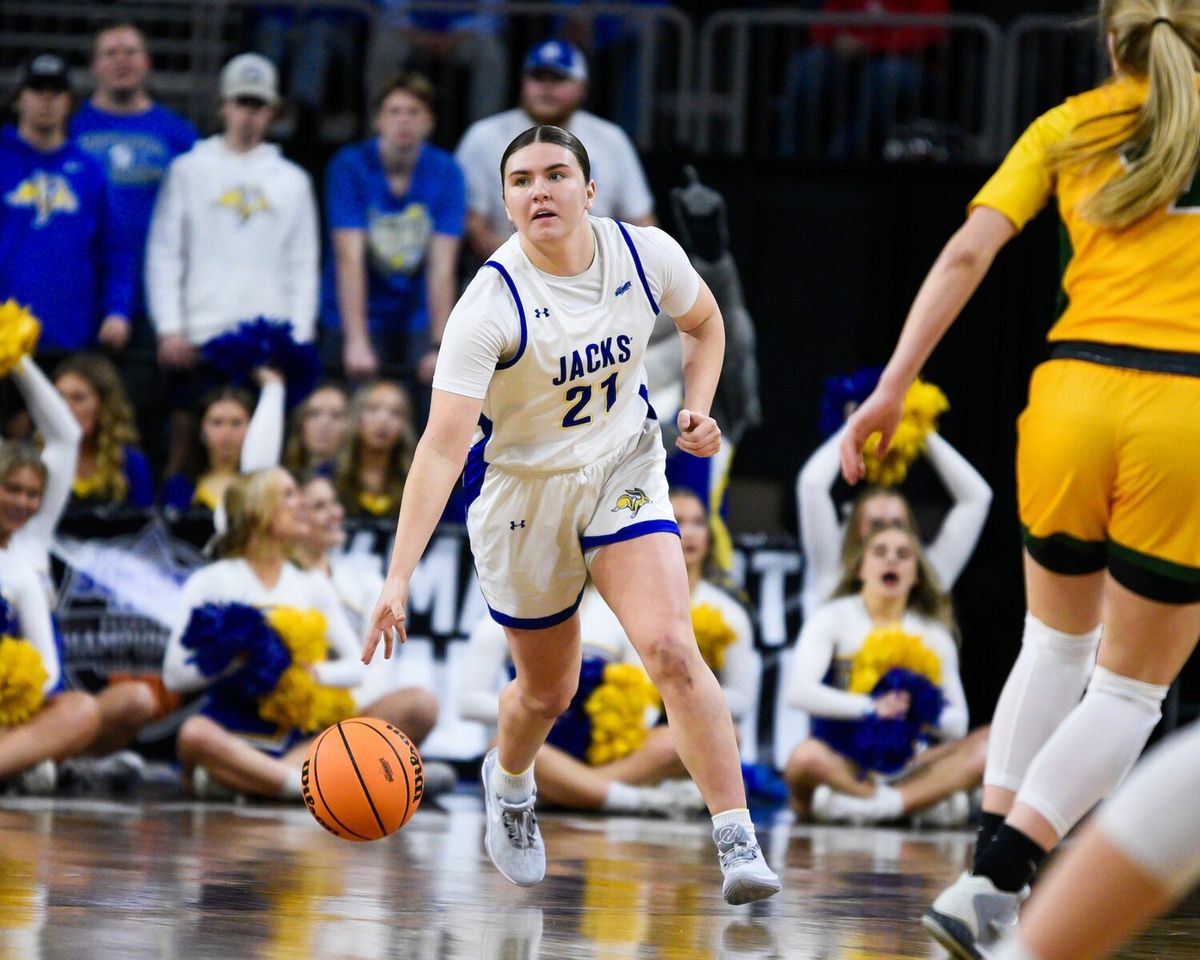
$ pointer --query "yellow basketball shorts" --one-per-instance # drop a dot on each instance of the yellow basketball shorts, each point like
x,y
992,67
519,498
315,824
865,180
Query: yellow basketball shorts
x,y
1107,476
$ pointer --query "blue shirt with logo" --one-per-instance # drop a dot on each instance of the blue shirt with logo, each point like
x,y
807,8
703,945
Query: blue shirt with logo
x,y
135,150
59,254
398,229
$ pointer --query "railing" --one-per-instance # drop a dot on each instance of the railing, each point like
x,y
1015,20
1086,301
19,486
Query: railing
x,y
786,82
745,82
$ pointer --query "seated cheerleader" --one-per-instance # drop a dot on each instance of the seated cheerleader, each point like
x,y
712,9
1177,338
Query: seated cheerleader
x,y
317,428
357,581
600,754
241,739
876,668
235,436
378,450
41,724
111,470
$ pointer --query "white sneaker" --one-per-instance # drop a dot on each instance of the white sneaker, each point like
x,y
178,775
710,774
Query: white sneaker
x,y
830,806
204,787
747,876
951,811
40,780
439,777
971,914
511,836
679,798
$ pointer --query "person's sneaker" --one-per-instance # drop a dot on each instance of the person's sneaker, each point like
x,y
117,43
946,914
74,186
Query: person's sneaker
x,y
40,780
439,778
204,787
747,876
511,836
970,915
951,811
676,798
830,806
120,771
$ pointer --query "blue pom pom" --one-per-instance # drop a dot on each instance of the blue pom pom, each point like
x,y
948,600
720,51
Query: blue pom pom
x,y
10,626
841,390
220,633
263,342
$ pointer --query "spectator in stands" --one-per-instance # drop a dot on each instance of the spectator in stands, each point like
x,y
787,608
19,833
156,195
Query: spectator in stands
x,y
396,208
884,65
65,722
467,39
888,613
61,253
110,468
554,81
375,458
135,139
318,428
234,435
233,237
651,779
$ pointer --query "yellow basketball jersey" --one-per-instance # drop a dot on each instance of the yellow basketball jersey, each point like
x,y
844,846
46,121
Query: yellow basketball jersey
x,y
1139,286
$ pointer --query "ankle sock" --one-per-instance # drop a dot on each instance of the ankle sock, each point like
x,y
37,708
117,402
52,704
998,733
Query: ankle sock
x,y
1011,860
988,826
736,815
513,787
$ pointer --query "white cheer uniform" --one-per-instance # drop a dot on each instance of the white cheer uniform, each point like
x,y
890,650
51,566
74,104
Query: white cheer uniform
x,y
568,455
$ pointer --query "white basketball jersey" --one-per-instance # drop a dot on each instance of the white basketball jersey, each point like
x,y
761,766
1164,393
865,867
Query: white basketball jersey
x,y
575,388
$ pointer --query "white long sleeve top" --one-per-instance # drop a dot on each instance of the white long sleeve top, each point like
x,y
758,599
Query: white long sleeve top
x,y
234,581
486,658
60,433
26,596
834,634
234,236
822,531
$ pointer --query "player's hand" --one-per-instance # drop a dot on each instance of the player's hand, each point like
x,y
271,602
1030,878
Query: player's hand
x,y
427,366
359,360
264,375
175,351
115,331
387,622
698,435
880,413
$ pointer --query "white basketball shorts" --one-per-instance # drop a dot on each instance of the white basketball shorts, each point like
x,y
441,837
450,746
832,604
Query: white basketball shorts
x,y
533,534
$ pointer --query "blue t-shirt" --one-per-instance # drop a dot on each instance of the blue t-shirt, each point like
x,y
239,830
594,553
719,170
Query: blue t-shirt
x,y
59,254
135,151
398,229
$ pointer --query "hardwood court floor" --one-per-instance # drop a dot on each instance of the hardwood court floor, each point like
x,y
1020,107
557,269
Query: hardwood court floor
x,y
93,879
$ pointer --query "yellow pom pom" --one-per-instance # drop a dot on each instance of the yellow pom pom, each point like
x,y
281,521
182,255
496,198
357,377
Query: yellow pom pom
x,y
303,632
19,332
713,634
888,648
22,679
617,708
290,705
923,404
330,705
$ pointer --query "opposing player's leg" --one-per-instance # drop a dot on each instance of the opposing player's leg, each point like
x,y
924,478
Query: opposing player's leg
x,y
1139,855
546,663
644,582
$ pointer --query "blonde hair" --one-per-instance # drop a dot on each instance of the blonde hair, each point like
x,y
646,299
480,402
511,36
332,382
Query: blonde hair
x,y
115,429
347,479
15,454
927,596
250,502
853,543
1160,140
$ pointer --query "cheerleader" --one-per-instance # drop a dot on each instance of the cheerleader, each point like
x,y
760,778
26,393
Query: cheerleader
x,y
378,451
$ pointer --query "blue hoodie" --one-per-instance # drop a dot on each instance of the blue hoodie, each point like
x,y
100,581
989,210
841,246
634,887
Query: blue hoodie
x,y
59,253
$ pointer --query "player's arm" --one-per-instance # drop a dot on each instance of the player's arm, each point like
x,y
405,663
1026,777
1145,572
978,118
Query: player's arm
x,y
702,332
436,466
482,240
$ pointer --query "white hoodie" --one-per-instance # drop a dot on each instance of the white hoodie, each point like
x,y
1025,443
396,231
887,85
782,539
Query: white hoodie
x,y
234,236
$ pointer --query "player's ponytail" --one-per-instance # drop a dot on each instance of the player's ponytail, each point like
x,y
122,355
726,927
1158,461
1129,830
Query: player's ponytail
x,y
1160,147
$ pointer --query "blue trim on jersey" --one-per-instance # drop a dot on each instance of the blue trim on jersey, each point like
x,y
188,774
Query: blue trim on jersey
x,y
631,532
512,288
536,623
645,395
637,262
476,467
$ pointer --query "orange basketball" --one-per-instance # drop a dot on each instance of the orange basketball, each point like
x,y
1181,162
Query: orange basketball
x,y
362,779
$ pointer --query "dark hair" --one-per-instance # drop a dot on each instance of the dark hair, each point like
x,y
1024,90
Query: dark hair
x,y
549,134
348,482
197,462
411,82
295,457
110,25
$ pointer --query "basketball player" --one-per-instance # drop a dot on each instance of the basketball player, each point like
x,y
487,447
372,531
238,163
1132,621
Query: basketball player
x,y
540,375
1106,451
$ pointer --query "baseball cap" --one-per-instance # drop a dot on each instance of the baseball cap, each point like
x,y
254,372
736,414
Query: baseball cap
x,y
45,71
250,75
557,56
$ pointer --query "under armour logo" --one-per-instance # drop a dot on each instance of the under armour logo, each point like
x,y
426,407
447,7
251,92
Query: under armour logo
x,y
515,524
623,288
540,312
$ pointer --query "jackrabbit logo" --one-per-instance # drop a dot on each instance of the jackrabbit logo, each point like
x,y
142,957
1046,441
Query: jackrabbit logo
x,y
631,500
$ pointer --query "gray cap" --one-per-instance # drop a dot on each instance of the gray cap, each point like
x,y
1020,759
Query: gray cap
x,y
250,75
